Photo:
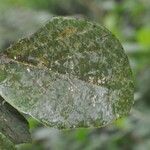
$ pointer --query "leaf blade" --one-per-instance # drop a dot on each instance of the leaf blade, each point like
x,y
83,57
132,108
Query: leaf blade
x,y
71,73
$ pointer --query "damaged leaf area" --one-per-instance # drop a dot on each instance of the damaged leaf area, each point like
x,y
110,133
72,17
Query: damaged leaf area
x,y
69,74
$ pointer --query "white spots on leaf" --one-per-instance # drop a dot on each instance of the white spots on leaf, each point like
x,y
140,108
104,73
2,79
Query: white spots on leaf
x,y
70,88
43,44
28,69
94,100
56,62
91,79
71,65
69,57
101,81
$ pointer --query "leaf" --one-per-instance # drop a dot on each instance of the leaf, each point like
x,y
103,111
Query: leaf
x,y
5,144
12,124
71,73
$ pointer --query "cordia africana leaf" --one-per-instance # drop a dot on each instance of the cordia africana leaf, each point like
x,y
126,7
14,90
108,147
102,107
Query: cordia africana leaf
x,y
70,73
12,124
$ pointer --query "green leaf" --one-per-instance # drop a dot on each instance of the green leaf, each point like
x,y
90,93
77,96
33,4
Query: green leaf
x,y
71,73
143,36
12,124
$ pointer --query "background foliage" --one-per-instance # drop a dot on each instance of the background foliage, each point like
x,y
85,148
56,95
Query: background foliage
x,y
129,20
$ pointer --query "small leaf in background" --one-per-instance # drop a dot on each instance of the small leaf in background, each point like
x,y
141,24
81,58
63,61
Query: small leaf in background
x,y
12,124
71,73
81,134
143,36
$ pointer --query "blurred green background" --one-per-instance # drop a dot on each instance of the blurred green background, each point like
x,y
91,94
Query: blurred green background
x,y
129,20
